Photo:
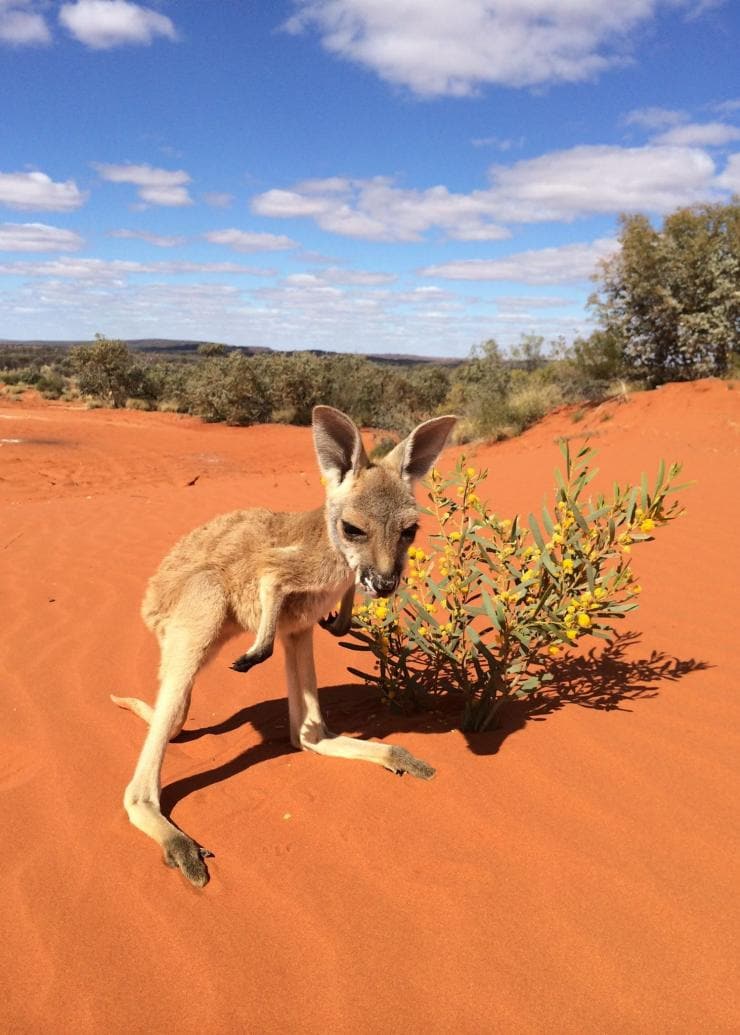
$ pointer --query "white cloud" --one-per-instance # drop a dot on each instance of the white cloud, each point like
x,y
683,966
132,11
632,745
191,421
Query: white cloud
x,y
37,237
21,26
730,178
245,241
567,263
103,24
595,179
455,46
219,199
654,118
727,107
700,134
85,269
527,302
561,185
376,210
35,191
158,240
155,186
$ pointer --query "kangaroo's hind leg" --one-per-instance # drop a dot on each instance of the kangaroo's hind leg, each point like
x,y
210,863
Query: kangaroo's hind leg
x,y
190,630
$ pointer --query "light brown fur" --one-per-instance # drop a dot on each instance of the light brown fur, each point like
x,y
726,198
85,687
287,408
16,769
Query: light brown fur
x,y
279,574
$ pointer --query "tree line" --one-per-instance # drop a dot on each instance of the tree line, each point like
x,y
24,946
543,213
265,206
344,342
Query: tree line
x,y
666,308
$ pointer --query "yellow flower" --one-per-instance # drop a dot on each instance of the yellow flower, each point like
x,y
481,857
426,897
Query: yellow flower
x,y
455,537
647,525
470,472
473,499
381,613
423,630
554,650
411,552
599,592
568,565
571,634
584,620
637,589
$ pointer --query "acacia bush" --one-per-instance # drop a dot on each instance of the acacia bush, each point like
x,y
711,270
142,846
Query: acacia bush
x,y
485,614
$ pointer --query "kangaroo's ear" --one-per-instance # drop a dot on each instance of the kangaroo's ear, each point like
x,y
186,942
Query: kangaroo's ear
x,y
338,444
413,457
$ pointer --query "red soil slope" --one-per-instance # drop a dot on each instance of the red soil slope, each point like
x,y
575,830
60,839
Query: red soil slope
x,y
573,873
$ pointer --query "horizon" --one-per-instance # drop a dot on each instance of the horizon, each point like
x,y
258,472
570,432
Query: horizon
x,y
346,176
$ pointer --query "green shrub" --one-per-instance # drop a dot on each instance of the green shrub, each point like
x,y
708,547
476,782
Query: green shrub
x,y
486,613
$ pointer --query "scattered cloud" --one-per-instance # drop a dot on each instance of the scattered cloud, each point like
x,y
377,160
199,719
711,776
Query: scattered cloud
x,y
562,185
246,241
337,275
143,235
568,263
453,48
35,191
499,143
155,186
527,302
699,134
654,118
116,269
730,178
102,24
377,210
591,179
21,25
37,237
218,199
726,107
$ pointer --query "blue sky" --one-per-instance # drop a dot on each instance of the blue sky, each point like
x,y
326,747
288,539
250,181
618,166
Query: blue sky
x,y
360,175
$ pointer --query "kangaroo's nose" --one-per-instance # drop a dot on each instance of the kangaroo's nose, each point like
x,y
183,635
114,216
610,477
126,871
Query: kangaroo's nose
x,y
384,585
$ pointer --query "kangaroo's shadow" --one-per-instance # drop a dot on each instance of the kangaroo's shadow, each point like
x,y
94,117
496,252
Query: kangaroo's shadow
x,y
605,679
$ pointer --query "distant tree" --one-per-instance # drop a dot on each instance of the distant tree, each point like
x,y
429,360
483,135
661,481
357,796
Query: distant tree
x,y
230,390
212,348
529,352
105,369
669,299
481,387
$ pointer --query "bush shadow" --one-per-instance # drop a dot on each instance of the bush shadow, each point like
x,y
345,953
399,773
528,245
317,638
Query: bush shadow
x,y
608,678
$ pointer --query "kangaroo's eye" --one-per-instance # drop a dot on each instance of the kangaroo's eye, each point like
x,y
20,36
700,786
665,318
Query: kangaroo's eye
x,y
409,534
352,531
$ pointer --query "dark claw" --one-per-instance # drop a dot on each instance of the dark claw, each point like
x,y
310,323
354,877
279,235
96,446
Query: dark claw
x,y
326,623
205,854
183,853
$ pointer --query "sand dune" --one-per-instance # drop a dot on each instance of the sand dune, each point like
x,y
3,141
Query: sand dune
x,y
576,872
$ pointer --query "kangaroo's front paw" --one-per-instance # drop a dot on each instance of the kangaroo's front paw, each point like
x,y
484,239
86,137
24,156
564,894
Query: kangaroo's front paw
x,y
182,852
402,761
328,622
334,624
250,659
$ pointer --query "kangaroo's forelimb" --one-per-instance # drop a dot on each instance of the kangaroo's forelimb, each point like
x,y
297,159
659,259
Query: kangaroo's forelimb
x,y
264,644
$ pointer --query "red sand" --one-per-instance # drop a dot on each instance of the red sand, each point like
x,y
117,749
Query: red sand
x,y
576,875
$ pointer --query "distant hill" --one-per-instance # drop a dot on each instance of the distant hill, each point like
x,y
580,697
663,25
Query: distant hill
x,y
184,347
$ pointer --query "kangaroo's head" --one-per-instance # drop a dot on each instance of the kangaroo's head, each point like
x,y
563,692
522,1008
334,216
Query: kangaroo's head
x,y
371,512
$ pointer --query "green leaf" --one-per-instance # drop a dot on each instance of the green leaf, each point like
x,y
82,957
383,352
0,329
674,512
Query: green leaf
x,y
535,529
